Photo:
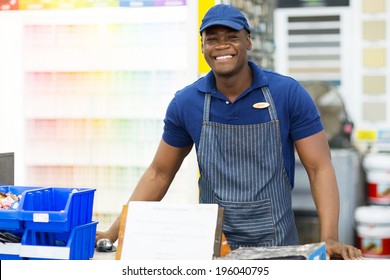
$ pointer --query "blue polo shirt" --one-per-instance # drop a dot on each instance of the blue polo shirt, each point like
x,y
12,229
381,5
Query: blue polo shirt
x,y
298,116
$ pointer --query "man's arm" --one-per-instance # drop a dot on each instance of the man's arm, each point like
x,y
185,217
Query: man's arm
x,y
154,183
315,156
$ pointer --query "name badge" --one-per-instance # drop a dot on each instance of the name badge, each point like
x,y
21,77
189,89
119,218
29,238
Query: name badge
x,y
260,105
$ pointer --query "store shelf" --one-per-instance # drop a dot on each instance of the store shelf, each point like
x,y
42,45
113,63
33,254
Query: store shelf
x,y
260,18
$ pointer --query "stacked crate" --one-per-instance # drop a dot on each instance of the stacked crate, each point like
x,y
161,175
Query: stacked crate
x,y
53,223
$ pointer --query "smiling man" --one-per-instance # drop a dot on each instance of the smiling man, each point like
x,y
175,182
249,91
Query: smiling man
x,y
225,51
245,123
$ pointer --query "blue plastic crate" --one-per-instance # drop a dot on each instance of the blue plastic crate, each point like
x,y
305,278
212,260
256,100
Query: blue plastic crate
x,y
10,251
56,209
10,257
9,218
78,244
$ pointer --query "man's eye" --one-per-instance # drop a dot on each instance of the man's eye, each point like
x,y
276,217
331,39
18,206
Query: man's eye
x,y
210,39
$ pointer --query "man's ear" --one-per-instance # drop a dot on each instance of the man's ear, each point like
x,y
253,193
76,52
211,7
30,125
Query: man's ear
x,y
249,42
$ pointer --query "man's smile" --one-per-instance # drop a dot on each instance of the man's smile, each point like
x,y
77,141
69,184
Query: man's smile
x,y
224,57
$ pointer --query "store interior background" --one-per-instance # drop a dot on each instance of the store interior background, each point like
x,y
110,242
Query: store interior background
x,y
84,86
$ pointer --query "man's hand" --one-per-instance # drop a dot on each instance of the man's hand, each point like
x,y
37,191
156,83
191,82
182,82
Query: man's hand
x,y
338,250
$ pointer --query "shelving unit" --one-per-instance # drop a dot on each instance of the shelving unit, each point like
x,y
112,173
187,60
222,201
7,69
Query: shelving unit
x,y
260,18
93,88
312,45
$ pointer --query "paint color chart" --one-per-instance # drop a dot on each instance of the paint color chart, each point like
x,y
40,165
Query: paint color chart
x,y
374,21
138,46
117,142
95,92
115,94
313,47
6,5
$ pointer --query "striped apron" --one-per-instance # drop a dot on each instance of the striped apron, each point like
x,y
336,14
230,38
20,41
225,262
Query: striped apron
x,y
242,170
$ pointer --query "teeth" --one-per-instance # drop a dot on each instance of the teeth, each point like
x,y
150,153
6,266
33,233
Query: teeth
x,y
223,57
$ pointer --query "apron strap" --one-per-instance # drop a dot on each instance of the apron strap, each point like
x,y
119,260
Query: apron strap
x,y
268,98
206,109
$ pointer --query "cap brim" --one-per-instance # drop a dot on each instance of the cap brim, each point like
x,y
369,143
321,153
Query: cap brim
x,y
226,23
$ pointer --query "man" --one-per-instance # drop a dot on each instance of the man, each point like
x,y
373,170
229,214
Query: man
x,y
245,122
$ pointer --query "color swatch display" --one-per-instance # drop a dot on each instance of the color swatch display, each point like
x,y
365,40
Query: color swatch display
x,y
151,3
94,110
312,47
99,141
107,46
374,62
75,4
114,94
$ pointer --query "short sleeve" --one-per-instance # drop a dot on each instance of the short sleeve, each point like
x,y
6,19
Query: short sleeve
x,y
175,133
304,116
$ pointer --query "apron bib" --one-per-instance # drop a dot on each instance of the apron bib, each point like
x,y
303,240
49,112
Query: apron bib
x,y
242,170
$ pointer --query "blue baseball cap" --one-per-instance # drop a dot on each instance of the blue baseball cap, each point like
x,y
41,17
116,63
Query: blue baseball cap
x,y
225,15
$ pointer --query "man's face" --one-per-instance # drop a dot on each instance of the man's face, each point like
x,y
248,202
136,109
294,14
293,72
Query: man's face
x,y
225,49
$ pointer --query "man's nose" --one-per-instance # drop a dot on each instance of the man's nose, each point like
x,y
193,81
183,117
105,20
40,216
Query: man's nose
x,y
221,43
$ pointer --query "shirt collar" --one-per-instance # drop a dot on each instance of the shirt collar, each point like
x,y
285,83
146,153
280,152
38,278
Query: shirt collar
x,y
207,83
